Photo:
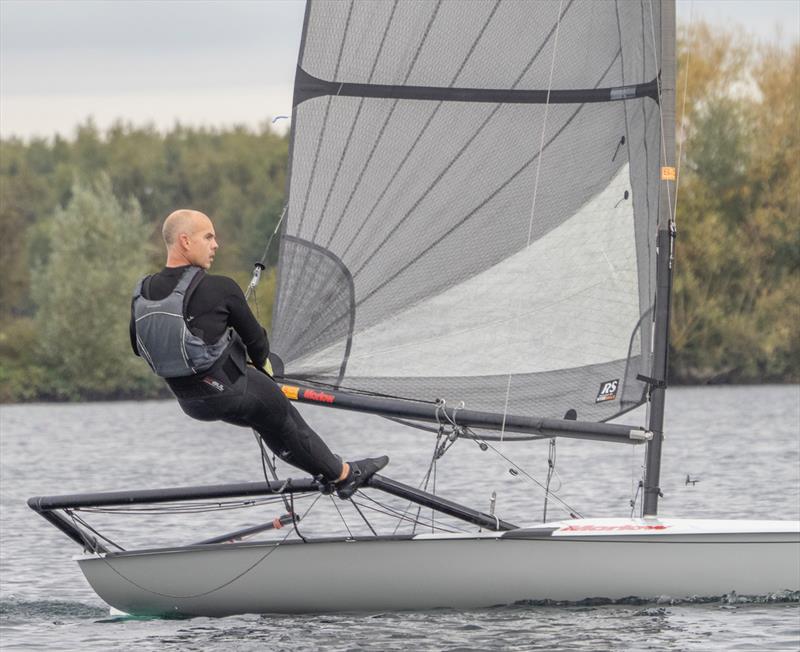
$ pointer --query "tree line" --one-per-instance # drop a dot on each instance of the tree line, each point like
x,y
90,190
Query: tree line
x,y
81,222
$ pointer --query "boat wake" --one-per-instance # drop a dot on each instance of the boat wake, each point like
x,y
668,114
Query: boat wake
x,y
14,610
779,597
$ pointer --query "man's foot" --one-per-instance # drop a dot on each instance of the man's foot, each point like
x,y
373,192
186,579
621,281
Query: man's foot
x,y
360,472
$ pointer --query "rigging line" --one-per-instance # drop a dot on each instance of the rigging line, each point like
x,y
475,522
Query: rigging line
x,y
432,464
535,191
423,484
358,509
189,509
182,508
294,515
265,461
387,510
551,467
572,511
274,547
251,287
88,544
402,516
650,292
683,108
78,519
461,151
660,110
341,516
632,501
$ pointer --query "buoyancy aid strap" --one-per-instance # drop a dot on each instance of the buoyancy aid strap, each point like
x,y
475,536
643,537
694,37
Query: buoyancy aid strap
x,y
191,286
137,292
186,280
144,290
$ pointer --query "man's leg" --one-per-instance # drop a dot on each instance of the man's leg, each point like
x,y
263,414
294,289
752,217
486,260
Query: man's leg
x,y
265,409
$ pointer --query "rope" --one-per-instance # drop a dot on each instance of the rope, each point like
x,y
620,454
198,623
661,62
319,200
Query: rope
x,y
91,545
361,514
216,588
391,511
265,461
551,467
341,516
660,111
535,192
183,509
574,513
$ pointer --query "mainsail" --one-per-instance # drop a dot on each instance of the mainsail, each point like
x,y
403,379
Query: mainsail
x,y
471,220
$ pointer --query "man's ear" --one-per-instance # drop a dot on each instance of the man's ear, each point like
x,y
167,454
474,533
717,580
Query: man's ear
x,y
183,238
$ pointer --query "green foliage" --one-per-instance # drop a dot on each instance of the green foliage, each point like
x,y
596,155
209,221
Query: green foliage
x,y
98,250
236,176
21,376
736,305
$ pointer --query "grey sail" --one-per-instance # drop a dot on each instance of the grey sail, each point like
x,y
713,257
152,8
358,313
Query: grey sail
x,y
471,220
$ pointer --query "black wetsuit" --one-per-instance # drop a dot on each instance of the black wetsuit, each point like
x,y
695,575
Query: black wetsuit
x,y
231,392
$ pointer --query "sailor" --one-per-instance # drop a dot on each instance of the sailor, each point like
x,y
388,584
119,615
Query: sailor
x,y
196,331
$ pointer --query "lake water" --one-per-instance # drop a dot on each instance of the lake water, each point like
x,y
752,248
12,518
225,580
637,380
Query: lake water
x,y
742,443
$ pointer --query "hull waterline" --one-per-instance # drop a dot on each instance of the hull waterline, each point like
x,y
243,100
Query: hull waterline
x,y
598,558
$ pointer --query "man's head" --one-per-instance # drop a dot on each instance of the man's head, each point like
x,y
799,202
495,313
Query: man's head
x,y
190,239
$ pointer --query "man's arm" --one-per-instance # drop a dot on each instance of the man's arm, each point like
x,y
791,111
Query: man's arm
x,y
244,322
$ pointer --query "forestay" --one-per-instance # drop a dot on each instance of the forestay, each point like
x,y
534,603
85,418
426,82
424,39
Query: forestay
x,y
473,203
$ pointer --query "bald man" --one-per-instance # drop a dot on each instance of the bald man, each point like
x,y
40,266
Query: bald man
x,y
196,331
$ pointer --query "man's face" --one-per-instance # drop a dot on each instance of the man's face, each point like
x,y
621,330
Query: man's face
x,y
201,245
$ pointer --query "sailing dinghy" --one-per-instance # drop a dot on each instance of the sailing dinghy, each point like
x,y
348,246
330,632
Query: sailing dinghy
x,y
480,208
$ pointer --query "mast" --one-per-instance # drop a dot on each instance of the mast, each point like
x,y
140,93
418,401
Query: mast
x,y
666,232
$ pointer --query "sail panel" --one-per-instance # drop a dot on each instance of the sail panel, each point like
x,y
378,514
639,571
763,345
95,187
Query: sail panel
x,y
461,248
490,44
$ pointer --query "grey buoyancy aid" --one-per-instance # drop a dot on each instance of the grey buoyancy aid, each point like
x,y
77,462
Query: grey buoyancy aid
x,y
164,340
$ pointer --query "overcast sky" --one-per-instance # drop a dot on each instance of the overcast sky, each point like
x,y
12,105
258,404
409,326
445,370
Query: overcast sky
x,y
212,63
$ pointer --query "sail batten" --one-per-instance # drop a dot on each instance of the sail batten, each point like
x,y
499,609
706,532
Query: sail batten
x,y
410,263
310,87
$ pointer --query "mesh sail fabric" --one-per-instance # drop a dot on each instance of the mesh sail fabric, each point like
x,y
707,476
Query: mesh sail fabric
x,y
415,260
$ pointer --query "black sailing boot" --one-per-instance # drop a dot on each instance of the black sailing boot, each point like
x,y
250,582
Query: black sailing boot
x,y
360,472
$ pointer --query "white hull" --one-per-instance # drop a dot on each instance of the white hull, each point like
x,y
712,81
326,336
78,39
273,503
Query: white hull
x,y
573,560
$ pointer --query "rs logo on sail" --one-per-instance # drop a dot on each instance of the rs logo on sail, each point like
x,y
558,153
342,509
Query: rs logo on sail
x,y
608,391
